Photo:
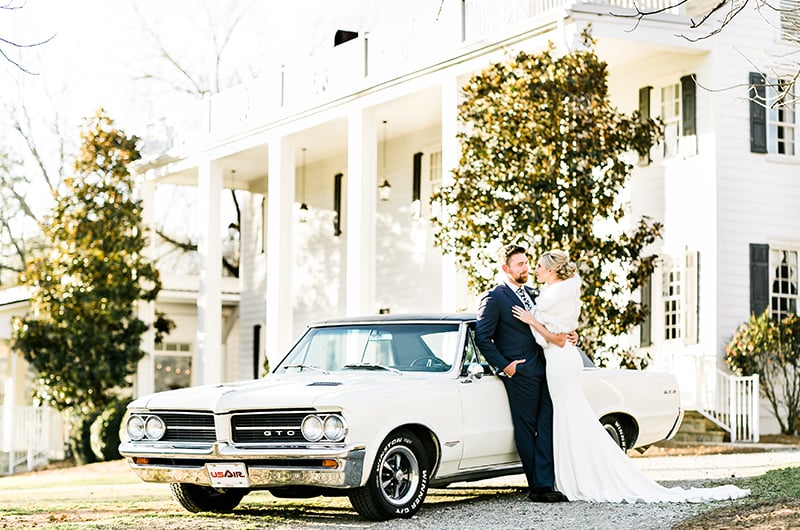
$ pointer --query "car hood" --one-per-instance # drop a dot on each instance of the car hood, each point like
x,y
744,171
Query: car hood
x,y
281,391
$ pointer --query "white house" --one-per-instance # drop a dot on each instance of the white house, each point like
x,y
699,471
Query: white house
x,y
379,106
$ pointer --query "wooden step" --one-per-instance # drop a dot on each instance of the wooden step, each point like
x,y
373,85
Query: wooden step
x,y
697,428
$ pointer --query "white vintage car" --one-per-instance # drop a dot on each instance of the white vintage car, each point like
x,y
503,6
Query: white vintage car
x,y
378,408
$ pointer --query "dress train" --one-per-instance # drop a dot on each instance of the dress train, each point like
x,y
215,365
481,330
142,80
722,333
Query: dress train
x,y
589,466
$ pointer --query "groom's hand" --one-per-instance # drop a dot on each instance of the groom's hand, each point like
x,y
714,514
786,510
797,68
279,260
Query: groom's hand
x,y
511,369
573,338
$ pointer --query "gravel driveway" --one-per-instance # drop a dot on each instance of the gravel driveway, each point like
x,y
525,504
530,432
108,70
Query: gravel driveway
x,y
511,509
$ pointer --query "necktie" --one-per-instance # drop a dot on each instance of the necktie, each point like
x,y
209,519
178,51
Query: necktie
x,y
523,296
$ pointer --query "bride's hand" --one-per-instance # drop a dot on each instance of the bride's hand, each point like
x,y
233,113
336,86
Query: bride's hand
x,y
523,315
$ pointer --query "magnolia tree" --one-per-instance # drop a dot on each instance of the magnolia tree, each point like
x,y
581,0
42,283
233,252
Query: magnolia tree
x,y
82,335
544,157
771,349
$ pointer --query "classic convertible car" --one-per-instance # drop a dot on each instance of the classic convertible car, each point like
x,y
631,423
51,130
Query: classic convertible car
x,y
378,408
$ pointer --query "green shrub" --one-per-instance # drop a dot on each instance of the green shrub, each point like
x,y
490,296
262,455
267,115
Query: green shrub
x,y
771,349
80,444
105,432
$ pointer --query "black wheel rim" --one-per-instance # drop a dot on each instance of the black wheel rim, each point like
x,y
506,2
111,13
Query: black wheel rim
x,y
399,475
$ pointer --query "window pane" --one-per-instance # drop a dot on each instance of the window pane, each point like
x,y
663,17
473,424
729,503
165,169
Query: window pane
x,y
783,268
172,371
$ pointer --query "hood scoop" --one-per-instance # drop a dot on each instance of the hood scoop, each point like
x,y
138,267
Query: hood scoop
x,y
325,383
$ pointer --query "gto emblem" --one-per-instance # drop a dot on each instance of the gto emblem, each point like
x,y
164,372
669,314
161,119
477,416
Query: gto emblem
x,y
278,433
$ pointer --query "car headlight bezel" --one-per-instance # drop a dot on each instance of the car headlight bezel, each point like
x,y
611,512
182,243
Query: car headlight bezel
x,y
312,428
324,427
140,427
135,427
154,428
335,428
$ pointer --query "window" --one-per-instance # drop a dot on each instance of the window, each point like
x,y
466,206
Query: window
x,y
671,114
173,366
434,179
773,280
678,307
678,111
783,294
773,116
672,303
781,118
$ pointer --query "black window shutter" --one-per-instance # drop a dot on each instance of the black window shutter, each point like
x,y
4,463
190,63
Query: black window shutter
x,y
758,113
689,105
645,334
416,192
644,102
337,204
644,115
759,278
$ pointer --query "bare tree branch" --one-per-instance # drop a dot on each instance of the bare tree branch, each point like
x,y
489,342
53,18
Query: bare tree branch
x,y
6,42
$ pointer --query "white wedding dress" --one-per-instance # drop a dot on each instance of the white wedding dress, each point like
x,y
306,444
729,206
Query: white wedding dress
x,y
589,466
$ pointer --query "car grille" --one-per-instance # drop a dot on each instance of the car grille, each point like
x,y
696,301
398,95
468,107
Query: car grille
x,y
268,427
188,427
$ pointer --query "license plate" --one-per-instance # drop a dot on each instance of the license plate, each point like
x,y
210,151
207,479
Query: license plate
x,y
230,475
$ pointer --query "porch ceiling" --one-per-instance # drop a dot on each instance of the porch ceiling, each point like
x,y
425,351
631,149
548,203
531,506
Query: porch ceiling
x,y
325,140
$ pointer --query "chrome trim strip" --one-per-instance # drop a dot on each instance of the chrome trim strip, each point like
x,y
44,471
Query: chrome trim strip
x,y
229,451
347,474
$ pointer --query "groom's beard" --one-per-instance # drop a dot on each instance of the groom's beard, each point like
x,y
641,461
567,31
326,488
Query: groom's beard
x,y
521,278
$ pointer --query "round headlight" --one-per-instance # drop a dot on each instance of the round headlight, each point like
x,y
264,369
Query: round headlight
x,y
135,427
154,428
334,428
312,428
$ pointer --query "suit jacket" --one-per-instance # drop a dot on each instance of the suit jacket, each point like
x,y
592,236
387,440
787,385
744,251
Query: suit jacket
x,y
503,338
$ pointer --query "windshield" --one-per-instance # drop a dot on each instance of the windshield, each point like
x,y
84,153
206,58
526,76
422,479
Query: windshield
x,y
392,347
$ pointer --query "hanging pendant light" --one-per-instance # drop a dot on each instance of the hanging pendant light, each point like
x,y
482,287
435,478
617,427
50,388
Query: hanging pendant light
x,y
303,206
384,188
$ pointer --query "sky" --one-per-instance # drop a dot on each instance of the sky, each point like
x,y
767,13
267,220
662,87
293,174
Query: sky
x,y
100,47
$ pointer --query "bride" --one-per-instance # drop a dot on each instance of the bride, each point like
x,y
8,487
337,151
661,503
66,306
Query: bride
x,y
589,466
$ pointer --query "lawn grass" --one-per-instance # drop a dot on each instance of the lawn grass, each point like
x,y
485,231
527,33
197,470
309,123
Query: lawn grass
x,y
774,503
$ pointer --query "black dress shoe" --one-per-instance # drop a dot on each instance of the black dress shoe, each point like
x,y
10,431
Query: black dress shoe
x,y
547,496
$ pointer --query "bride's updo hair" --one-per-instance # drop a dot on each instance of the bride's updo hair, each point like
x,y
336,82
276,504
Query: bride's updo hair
x,y
558,262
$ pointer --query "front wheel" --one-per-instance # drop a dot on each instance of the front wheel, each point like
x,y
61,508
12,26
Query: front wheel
x,y
614,429
206,499
398,482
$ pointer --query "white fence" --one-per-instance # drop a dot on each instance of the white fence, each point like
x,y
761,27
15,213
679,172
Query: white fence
x,y
735,406
30,437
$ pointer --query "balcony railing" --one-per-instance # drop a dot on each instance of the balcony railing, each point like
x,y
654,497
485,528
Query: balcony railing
x,y
377,57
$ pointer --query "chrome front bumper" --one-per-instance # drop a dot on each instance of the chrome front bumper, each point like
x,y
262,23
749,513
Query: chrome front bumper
x,y
339,467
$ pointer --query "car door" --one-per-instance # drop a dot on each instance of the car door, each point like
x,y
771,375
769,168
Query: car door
x,y
488,435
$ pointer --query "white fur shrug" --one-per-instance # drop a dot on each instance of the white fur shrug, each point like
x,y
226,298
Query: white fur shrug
x,y
558,307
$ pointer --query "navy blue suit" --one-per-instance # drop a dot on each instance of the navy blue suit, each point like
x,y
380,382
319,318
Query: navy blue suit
x,y
502,338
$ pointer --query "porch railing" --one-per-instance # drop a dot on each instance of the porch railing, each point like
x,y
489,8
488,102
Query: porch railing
x,y
734,406
30,437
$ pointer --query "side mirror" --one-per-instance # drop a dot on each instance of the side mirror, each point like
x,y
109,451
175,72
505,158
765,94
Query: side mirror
x,y
475,371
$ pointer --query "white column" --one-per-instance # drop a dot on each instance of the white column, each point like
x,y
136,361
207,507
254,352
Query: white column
x,y
9,407
280,260
362,155
209,367
450,156
145,376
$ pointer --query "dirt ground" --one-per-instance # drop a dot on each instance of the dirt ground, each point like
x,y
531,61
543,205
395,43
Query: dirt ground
x,y
768,515
108,496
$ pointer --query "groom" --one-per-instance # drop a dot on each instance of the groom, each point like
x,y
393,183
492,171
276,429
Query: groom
x,y
509,346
